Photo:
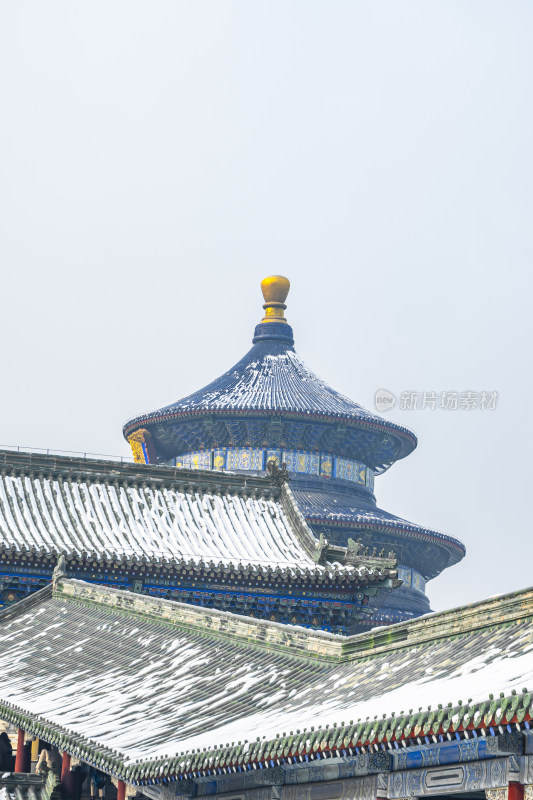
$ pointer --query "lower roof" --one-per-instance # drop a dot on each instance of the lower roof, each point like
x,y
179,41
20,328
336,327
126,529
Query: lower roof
x,y
340,509
149,690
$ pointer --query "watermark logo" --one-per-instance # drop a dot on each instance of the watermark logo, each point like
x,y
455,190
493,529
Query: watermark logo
x,y
452,400
384,400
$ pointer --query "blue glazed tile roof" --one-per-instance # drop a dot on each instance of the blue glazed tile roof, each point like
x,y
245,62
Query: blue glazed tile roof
x,y
326,506
272,378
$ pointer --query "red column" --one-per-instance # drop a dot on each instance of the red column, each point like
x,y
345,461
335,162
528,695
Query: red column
x,y
67,777
19,759
515,791
65,765
121,790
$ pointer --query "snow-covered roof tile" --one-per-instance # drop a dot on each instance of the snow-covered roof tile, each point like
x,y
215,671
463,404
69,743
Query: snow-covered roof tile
x,y
272,377
121,512
76,515
341,508
160,680
25,786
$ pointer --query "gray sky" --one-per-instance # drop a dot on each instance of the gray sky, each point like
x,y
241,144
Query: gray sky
x,y
158,159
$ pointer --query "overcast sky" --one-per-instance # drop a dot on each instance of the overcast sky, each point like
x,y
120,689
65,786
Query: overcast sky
x,y
157,159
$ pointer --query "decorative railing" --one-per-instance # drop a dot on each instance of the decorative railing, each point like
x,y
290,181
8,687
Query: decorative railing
x,y
72,453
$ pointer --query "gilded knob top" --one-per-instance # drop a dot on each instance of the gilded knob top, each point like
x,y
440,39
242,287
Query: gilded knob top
x,y
275,289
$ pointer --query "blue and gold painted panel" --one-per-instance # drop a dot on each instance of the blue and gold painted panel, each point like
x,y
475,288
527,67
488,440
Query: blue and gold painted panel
x,y
297,461
244,458
344,469
347,470
418,581
411,579
326,466
219,458
199,460
273,455
405,576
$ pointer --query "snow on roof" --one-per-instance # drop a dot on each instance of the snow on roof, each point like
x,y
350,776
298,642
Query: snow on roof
x,y
337,507
112,512
273,377
132,520
149,678
271,381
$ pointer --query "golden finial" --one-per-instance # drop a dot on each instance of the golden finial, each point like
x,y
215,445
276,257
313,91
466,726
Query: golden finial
x,y
275,289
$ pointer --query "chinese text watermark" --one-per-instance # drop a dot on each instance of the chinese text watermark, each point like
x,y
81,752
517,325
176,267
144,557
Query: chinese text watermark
x,y
445,401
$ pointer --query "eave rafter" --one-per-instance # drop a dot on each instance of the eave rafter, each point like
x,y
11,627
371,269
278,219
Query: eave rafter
x,y
462,721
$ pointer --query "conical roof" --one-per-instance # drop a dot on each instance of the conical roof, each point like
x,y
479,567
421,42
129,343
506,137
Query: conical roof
x,y
279,401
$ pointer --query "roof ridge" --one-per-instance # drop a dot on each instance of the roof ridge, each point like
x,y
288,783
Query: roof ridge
x,y
303,642
292,639
25,461
312,546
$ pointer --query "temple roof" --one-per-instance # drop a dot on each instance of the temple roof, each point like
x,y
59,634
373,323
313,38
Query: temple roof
x,y
338,509
151,690
270,406
109,510
272,379
131,521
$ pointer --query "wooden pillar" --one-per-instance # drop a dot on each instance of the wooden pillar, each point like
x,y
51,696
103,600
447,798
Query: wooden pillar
x,y
65,765
67,777
515,791
19,758
121,790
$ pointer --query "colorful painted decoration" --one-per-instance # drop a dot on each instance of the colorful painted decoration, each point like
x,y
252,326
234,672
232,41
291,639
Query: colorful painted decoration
x,y
142,447
297,461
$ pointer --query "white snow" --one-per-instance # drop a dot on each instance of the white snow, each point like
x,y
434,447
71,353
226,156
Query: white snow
x,y
103,519
150,690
